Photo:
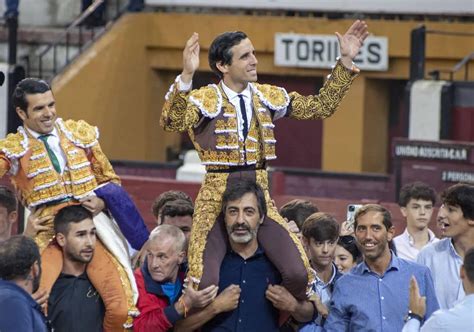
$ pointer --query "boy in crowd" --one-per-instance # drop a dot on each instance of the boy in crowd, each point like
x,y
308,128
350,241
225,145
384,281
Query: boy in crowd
x,y
416,202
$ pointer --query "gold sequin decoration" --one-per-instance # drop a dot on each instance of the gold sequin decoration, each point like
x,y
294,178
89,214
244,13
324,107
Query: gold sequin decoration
x,y
178,115
326,102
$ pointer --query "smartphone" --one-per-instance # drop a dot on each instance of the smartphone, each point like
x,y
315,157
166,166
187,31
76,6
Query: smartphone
x,y
351,211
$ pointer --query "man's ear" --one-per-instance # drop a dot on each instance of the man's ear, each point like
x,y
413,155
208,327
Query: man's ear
x,y
390,233
403,210
21,113
222,68
12,217
61,239
181,256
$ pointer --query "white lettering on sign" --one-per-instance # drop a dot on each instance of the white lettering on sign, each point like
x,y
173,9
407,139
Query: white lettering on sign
x,y
321,51
430,152
454,176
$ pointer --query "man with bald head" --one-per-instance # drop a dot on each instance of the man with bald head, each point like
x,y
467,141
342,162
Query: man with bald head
x,y
160,282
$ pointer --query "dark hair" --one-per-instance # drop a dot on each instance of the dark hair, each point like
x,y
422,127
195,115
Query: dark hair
x,y
28,86
70,214
219,51
348,242
175,208
320,227
416,190
237,188
469,264
461,195
166,197
8,199
298,210
17,256
363,210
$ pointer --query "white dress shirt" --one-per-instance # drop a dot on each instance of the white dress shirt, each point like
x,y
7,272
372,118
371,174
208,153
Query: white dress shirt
x,y
444,262
53,142
459,318
405,245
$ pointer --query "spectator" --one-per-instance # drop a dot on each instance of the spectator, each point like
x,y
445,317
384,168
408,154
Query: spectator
x,y
347,254
8,212
178,213
296,211
320,235
20,273
373,296
459,318
246,265
74,304
444,258
416,203
161,301
166,197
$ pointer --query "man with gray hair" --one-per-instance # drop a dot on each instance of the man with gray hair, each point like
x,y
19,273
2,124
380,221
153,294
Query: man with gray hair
x,y
160,281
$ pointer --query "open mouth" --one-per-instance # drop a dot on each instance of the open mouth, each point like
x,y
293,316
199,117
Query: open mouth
x,y
443,225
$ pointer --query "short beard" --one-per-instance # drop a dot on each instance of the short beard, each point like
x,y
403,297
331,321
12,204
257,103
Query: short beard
x,y
78,258
252,234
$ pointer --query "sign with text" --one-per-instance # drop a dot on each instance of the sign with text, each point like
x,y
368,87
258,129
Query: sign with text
x,y
321,51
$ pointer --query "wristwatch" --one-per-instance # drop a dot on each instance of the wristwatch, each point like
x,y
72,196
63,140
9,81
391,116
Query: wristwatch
x,y
412,315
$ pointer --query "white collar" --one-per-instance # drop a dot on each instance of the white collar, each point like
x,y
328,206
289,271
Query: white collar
x,y
231,94
35,134
411,241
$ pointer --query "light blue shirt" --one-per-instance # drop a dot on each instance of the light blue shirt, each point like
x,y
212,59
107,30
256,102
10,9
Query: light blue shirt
x,y
365,301
444,262
459,318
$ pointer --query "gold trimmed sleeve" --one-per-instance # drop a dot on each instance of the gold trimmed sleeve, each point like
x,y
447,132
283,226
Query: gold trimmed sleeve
x,y
178,113
325,103
101,166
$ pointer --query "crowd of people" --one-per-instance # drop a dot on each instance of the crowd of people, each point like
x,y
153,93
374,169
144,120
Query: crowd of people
x,y
230,261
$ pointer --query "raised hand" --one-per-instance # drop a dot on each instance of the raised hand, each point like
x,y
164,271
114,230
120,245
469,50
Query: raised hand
x,y
190,58
417,302
351,42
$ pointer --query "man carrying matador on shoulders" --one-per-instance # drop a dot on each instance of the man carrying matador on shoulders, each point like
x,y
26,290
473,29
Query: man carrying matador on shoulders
x,y
231,126
55,163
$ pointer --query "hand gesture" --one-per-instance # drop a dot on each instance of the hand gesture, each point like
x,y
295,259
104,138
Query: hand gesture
x,y
227,300
41,297
281,298
36,224
351,42
190,58
94,204
322,309
198,299
347,228
417,302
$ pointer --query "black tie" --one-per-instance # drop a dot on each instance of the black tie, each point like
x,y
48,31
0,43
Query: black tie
x,y
243,110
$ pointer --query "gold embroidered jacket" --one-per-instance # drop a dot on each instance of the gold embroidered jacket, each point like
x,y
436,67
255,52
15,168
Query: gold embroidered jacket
x,y
211,120
35,178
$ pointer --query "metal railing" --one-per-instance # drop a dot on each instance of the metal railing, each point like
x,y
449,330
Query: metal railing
x,y
74,39
435,74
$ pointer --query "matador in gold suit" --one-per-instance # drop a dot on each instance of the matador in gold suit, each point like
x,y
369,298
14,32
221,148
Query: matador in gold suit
x,y
54,163
231,125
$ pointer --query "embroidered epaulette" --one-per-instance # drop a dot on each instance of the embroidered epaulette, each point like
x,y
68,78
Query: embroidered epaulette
x,y
15,145
275,98
79,132
208,100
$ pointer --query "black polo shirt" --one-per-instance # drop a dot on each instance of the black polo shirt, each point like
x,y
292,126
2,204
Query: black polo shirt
x,y
255,312
75,305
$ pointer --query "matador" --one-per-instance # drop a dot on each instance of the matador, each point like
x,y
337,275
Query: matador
x,y
232,125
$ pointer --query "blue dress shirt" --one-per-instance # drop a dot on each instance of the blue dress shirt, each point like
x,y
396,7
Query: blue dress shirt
x,y
444,263
254,312
365,301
